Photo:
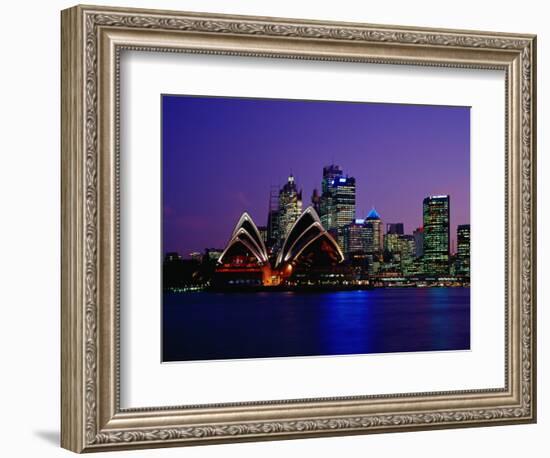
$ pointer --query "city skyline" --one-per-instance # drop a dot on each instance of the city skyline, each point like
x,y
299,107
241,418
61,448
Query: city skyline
x,y
202,204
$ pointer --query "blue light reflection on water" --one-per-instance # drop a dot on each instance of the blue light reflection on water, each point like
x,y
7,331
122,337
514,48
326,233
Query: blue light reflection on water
x,y
205,325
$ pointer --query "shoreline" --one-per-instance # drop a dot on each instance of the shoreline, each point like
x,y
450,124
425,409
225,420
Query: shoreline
x,y
302,289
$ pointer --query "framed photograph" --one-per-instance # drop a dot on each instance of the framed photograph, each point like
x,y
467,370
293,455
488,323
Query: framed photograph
x,y
278,228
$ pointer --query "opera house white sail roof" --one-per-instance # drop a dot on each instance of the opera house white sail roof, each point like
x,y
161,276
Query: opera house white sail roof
x,y
307,233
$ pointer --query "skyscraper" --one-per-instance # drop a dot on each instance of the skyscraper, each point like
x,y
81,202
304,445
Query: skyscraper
x,y
392,243
337,201
407,254
330,172
392,252
463,249
290,207
418,235
436,214
374,233
343,203
273,218
399,250
326,213
355,237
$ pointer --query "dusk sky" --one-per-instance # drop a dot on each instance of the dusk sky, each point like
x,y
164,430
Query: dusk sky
x,y
221,156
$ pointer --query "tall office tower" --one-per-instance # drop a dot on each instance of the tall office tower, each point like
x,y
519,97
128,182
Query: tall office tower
x,y
273,218
392,239
463,249
392,243
337,201
399,250
326,210
407,253
436,213
343,204
374,233
394,228
316,201
355,237
290,207
418,235
330,172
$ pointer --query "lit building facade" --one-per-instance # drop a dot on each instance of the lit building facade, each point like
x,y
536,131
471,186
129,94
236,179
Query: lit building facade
x,y
343,204
407,255
290,207
273,228
436,215
330,172
374,234
273,218
326,205
463,249
337,201
399,253
355,237
213,254
392,243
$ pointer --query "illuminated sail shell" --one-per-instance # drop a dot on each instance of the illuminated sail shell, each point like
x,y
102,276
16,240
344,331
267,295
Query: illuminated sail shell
x,y
245,241
308,234
307,242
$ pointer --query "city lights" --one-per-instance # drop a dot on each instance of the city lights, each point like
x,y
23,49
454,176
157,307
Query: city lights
x,y
327,245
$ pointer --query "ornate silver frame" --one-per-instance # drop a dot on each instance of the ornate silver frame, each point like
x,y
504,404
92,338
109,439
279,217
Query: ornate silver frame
x,y
92,38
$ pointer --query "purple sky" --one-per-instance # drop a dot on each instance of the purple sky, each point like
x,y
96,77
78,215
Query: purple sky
x,y
221,155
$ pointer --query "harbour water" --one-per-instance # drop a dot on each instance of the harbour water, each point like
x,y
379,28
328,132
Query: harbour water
x,y
211,326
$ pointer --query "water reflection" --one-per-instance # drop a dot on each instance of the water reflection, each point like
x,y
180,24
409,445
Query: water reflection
x,y
202,326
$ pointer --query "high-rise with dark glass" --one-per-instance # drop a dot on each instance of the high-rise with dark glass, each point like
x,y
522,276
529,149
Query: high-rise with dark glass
x,y
436,214
418,235
395,228
337,201
330,172
463,249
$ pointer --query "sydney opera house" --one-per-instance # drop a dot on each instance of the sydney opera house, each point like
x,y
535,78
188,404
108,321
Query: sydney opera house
x,y
307,256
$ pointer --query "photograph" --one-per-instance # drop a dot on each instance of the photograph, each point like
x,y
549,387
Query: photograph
x,y
278,226
298,228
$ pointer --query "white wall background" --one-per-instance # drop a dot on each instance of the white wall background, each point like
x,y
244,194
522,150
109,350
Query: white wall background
x,y
29,228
